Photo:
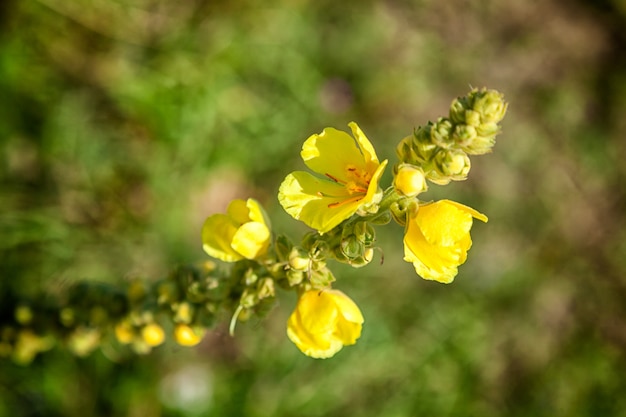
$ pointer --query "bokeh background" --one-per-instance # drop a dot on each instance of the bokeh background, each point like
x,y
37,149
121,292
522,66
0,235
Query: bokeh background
x,y
123,124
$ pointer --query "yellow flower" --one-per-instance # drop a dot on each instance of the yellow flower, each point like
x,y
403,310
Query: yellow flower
x,y
153,334
349,172
323,322
187,336
438,237
243,232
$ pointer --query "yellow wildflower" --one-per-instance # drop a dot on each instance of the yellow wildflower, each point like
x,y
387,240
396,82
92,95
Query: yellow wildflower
x,y
323,322
243,232
187,336
438,237
349,172
153,334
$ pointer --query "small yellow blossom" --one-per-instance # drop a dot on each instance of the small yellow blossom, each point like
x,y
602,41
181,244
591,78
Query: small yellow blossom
x,y
349,173
124,332
243,232
323,322
186,336
438,237
153,334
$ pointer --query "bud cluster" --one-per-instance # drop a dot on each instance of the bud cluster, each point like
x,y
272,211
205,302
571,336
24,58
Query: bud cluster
x,y
441,149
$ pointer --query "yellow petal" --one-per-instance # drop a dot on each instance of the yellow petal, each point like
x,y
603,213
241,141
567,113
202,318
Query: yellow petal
x,y
372,189
431,262
251,240
238,211
443,223
475,213
256,212
331,152
217,235
318,203
366,146
348,308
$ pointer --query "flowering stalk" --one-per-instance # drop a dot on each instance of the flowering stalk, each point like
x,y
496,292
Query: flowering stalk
x,y
342,201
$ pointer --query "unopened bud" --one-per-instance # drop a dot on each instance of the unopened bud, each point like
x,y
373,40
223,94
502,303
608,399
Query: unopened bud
x,y
184,313
409,180
124,332
187,336
153,334
265,288
449,165
490,104
464,135
299,259
441,133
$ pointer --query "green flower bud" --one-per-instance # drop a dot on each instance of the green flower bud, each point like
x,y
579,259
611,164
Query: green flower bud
x,y
299,259
249,298
351,247
404,209
488,129
480,145
472,118
449,165
364,232
295,277
464,135
250,277
266,289
409,180
490,104
184,313
458,110
418,148
321,279
441,133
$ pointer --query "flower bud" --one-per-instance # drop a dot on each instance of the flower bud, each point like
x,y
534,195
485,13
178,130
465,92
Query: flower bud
x,y
153,334
441,133
464,135
321,278
124,332
418,148
490,104
488,129
480,145
458,110
187,336
184,313
294,277
403,209
449,165
265,288
299,259
409,180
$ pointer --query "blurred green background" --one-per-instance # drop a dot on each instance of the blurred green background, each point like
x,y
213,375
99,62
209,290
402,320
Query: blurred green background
x,y
123,124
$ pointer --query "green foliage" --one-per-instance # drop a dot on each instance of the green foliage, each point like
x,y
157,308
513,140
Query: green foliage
x,y
124,124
